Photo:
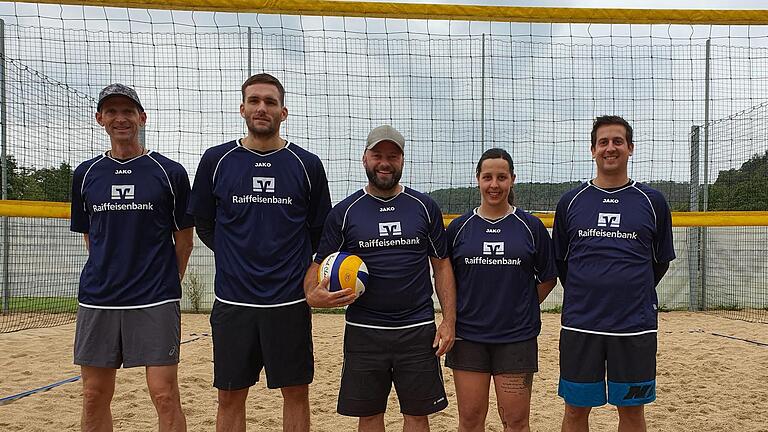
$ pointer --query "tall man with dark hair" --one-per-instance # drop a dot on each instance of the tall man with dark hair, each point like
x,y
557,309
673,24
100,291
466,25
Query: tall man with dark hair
x,y
260,202
613,244
390,336
130,203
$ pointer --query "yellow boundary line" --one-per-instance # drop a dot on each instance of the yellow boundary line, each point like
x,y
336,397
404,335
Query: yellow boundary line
x,y
446,12
35,209
44,209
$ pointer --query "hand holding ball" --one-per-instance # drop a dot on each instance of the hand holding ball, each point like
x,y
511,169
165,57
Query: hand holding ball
x,y
345,271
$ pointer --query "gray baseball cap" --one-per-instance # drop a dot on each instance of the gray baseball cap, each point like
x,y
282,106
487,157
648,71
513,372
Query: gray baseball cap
x,y
118,90
385,133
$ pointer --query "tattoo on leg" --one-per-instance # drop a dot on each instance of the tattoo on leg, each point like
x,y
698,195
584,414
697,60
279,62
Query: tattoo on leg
x,y
515,385
528,381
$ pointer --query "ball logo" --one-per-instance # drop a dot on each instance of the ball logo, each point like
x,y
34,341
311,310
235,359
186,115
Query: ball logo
x,y
123,192
493,248
264,184
345,271
388,229
608,220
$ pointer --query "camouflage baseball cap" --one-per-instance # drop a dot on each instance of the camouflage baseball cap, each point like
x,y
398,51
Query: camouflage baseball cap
x,y
118,90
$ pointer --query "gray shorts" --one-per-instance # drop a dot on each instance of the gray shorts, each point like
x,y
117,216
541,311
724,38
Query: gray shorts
x,y
110,338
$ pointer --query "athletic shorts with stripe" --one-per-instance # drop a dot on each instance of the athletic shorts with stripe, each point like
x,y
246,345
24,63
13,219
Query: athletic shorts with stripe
x,y
247,339
375,358
110,338
630,362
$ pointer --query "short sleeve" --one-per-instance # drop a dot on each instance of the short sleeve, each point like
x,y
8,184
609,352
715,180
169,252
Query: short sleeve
x,y
320,197
663,246
544,258
202,202
437,237
80,220
332,237
450,235
560,240
181,192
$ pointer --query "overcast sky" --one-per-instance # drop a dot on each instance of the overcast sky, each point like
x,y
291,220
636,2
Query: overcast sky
x,y
541,87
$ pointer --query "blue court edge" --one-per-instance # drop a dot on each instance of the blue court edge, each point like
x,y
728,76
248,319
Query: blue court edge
x,y
8,399
582,394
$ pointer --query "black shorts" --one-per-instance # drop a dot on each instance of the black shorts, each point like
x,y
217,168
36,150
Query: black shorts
x,y
495,359
630,362
375,358
247,339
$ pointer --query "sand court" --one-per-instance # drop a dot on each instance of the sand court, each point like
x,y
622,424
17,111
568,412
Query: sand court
x,y
706,381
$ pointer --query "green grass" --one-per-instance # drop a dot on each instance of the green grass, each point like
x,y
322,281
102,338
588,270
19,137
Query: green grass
x,y
42,304
556,309
664,308
329,311
725,308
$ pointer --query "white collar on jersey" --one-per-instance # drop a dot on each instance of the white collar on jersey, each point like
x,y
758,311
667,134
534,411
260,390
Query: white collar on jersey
x,y
511,210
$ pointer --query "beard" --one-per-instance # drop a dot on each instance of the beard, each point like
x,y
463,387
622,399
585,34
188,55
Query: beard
x,y
263,131
384,185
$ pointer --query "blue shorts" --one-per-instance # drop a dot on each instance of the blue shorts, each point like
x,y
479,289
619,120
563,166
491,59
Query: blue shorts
x,y
630,362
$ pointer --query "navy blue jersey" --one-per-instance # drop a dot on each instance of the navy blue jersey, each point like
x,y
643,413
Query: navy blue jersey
x,y
264,205
497,265
130,209
395,238
610,240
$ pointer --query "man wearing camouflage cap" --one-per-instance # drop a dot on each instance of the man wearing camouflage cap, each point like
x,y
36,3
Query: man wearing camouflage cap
x,y
130,204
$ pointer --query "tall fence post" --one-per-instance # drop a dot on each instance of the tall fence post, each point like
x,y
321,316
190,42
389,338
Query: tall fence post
x,y
4,164
705,181
694,233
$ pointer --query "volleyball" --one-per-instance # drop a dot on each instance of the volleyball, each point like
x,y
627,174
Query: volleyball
x,y
345,271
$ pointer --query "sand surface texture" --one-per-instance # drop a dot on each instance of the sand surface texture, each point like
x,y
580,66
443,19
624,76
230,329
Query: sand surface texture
x,y
705,382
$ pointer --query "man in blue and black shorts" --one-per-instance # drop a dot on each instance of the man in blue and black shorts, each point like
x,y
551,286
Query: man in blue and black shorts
x,y
130,204
613,244
390,335
260,203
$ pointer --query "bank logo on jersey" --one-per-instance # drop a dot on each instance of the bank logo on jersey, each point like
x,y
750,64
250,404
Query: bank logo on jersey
x,y
493,248
120,192
264,184
493,254
608,220
389,229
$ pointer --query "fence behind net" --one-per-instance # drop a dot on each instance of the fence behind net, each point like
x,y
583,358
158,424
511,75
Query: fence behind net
x,y
453,88
732,277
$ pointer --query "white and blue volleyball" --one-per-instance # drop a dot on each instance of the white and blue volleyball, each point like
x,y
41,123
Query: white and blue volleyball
x,y
345,271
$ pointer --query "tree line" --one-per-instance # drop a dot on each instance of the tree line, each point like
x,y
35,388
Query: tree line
x,y
742,189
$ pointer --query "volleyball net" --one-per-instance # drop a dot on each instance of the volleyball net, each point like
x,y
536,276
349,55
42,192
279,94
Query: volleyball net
x,y
456,80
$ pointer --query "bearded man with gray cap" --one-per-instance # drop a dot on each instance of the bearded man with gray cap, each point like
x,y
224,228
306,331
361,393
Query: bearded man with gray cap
x,y
130,205
390,335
